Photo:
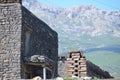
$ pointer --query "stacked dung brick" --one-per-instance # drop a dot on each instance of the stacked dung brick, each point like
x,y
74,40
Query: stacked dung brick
x,y
76,64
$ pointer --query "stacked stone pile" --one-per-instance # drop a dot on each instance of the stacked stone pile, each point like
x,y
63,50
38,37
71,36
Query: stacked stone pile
x,y
76,64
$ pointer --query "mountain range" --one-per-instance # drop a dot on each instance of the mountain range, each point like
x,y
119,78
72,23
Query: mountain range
x,y
94,31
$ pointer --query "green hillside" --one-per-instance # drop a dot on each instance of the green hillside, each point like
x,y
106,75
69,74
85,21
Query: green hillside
x,y
107,60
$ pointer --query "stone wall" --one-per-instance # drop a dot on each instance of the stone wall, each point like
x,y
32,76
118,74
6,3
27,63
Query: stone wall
x,y
76,64
23,35
10,41
38,38
10,1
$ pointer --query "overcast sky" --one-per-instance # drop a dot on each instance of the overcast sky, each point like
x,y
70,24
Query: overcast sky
x,y
102,4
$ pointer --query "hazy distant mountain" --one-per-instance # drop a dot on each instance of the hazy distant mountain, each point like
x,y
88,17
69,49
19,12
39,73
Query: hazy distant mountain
x,y
83,27
80,27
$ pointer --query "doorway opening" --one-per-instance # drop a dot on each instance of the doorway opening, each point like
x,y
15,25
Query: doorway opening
x,y
31,71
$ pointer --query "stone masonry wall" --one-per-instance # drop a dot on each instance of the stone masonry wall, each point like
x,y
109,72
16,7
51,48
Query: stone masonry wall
x,y
10,1
10,41
76,64
38,38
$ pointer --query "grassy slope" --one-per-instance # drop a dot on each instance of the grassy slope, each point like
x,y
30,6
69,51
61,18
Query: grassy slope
x,y
109,61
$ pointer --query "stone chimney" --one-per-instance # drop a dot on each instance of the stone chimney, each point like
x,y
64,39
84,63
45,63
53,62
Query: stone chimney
x,y
11,1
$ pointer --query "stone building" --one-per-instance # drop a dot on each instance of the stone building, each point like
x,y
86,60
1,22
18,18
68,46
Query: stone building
x,y
28,46
76,64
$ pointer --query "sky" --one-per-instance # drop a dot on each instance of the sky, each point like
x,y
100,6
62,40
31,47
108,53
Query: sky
x,y
102,4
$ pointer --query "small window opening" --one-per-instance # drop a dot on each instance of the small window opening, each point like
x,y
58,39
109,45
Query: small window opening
x,y
76,74
76,65
76,61
76,70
